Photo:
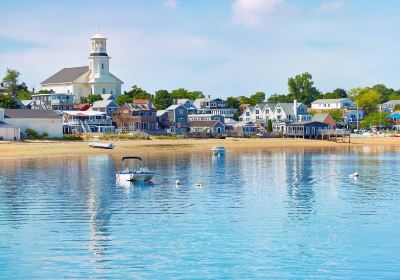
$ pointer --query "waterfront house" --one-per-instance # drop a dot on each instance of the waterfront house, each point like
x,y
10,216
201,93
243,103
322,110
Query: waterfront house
x,y
106,106
324,118
206,117
245,128
260,113
53,101
212,128
289,112
42,121
395,121
8,132
215,106
87,122
188,104
389,106
308,129
140,115
174,119
329,104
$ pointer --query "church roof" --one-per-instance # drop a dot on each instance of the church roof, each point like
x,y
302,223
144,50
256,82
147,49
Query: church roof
x,y
66,75
98,36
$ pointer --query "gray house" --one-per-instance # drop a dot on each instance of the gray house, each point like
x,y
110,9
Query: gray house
x,y
106,106
389,106
213,128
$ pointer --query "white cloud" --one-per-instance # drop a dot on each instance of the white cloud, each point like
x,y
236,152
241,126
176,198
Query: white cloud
x,y
171,3
333,5
253,12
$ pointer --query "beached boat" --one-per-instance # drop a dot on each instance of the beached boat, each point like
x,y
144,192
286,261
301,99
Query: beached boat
x,y
134,171
101,145
218,151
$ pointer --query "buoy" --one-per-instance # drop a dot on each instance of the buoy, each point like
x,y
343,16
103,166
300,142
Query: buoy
x,y
199,185
177,182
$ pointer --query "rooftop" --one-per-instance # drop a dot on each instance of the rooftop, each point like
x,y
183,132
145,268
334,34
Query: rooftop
x,y
66,75
30,114
328,101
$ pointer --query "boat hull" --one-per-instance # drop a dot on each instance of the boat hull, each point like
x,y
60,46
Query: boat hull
x,y
101,145
132,177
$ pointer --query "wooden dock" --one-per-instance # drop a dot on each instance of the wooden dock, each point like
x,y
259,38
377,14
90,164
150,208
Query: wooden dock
x,y
336,135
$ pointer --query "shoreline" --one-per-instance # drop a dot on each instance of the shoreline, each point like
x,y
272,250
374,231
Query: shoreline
x,y
45,149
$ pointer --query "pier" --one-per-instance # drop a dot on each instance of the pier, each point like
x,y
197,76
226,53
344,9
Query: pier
x,y
336,135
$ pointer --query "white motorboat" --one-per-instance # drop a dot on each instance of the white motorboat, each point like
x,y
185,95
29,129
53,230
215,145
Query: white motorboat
x,y
133,172
101,145
218,151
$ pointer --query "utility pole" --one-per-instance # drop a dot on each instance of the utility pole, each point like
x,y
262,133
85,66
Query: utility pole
x,y
357,112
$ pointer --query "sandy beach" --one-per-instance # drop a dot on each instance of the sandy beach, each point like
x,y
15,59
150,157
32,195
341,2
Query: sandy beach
x,y
40,149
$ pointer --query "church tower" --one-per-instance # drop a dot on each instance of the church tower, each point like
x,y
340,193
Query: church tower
x,y
98,59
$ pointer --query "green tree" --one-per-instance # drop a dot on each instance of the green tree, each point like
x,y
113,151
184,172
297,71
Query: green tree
x,y
258,97
7,101
369,100
394,96
10,80
83,99
375,119
137,93
93,98
279,98
233,102
337,93
384,92
269,126
45,91
245,100
182,93
301,88
162,99
122,99
337,115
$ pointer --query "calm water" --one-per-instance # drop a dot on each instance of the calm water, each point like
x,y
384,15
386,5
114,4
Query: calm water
x,y
288,214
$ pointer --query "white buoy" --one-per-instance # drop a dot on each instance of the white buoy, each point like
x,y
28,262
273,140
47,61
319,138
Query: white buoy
x,y
177,182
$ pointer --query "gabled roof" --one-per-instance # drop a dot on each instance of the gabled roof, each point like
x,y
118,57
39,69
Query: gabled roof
x,y
182,101
174,107
66,75
392,102
329,101
160,113
30,114
104,104
320,117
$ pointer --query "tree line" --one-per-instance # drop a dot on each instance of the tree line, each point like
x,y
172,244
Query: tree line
x,y
300,87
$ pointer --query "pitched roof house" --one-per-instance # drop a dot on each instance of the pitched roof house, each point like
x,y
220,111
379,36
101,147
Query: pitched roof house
x,y
325,118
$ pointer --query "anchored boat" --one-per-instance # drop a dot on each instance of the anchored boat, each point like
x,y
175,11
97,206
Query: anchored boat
x,y
133,170
101,145
218,151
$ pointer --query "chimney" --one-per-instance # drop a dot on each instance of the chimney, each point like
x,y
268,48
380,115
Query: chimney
x,y
209,96
295,110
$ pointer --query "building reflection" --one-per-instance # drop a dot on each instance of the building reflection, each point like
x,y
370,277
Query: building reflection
x,y
300,181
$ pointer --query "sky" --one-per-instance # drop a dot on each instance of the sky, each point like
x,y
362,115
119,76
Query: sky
x,y
221,47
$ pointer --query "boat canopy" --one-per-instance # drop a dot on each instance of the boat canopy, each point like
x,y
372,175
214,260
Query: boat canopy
x,y
138,158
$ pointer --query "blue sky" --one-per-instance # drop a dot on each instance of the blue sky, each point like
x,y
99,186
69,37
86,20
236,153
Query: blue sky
x,y
224,48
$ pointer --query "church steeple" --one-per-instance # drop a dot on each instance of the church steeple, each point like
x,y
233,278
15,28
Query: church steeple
x,y
98,59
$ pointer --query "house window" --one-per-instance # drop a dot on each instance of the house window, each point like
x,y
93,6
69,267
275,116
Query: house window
x,y
104,91
247,114
257,112
102,66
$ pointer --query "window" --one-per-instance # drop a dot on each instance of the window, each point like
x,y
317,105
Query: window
x,y
104,91
257,112
181,111
102,66
247,114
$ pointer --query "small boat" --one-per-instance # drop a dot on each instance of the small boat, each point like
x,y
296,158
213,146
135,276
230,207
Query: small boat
x,y
134,172
101,145
218,151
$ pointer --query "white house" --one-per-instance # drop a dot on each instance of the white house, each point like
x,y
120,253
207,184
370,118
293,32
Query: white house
x,y
42,121
216,106
281,112
389,106
93,79
329,104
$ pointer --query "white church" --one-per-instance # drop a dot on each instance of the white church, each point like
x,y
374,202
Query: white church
x,y
93,79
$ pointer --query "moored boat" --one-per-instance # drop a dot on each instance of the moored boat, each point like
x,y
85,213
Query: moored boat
x,y
218,151
134,172
101,145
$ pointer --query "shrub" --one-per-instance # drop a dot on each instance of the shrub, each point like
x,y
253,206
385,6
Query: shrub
x,y
33,134
72,137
